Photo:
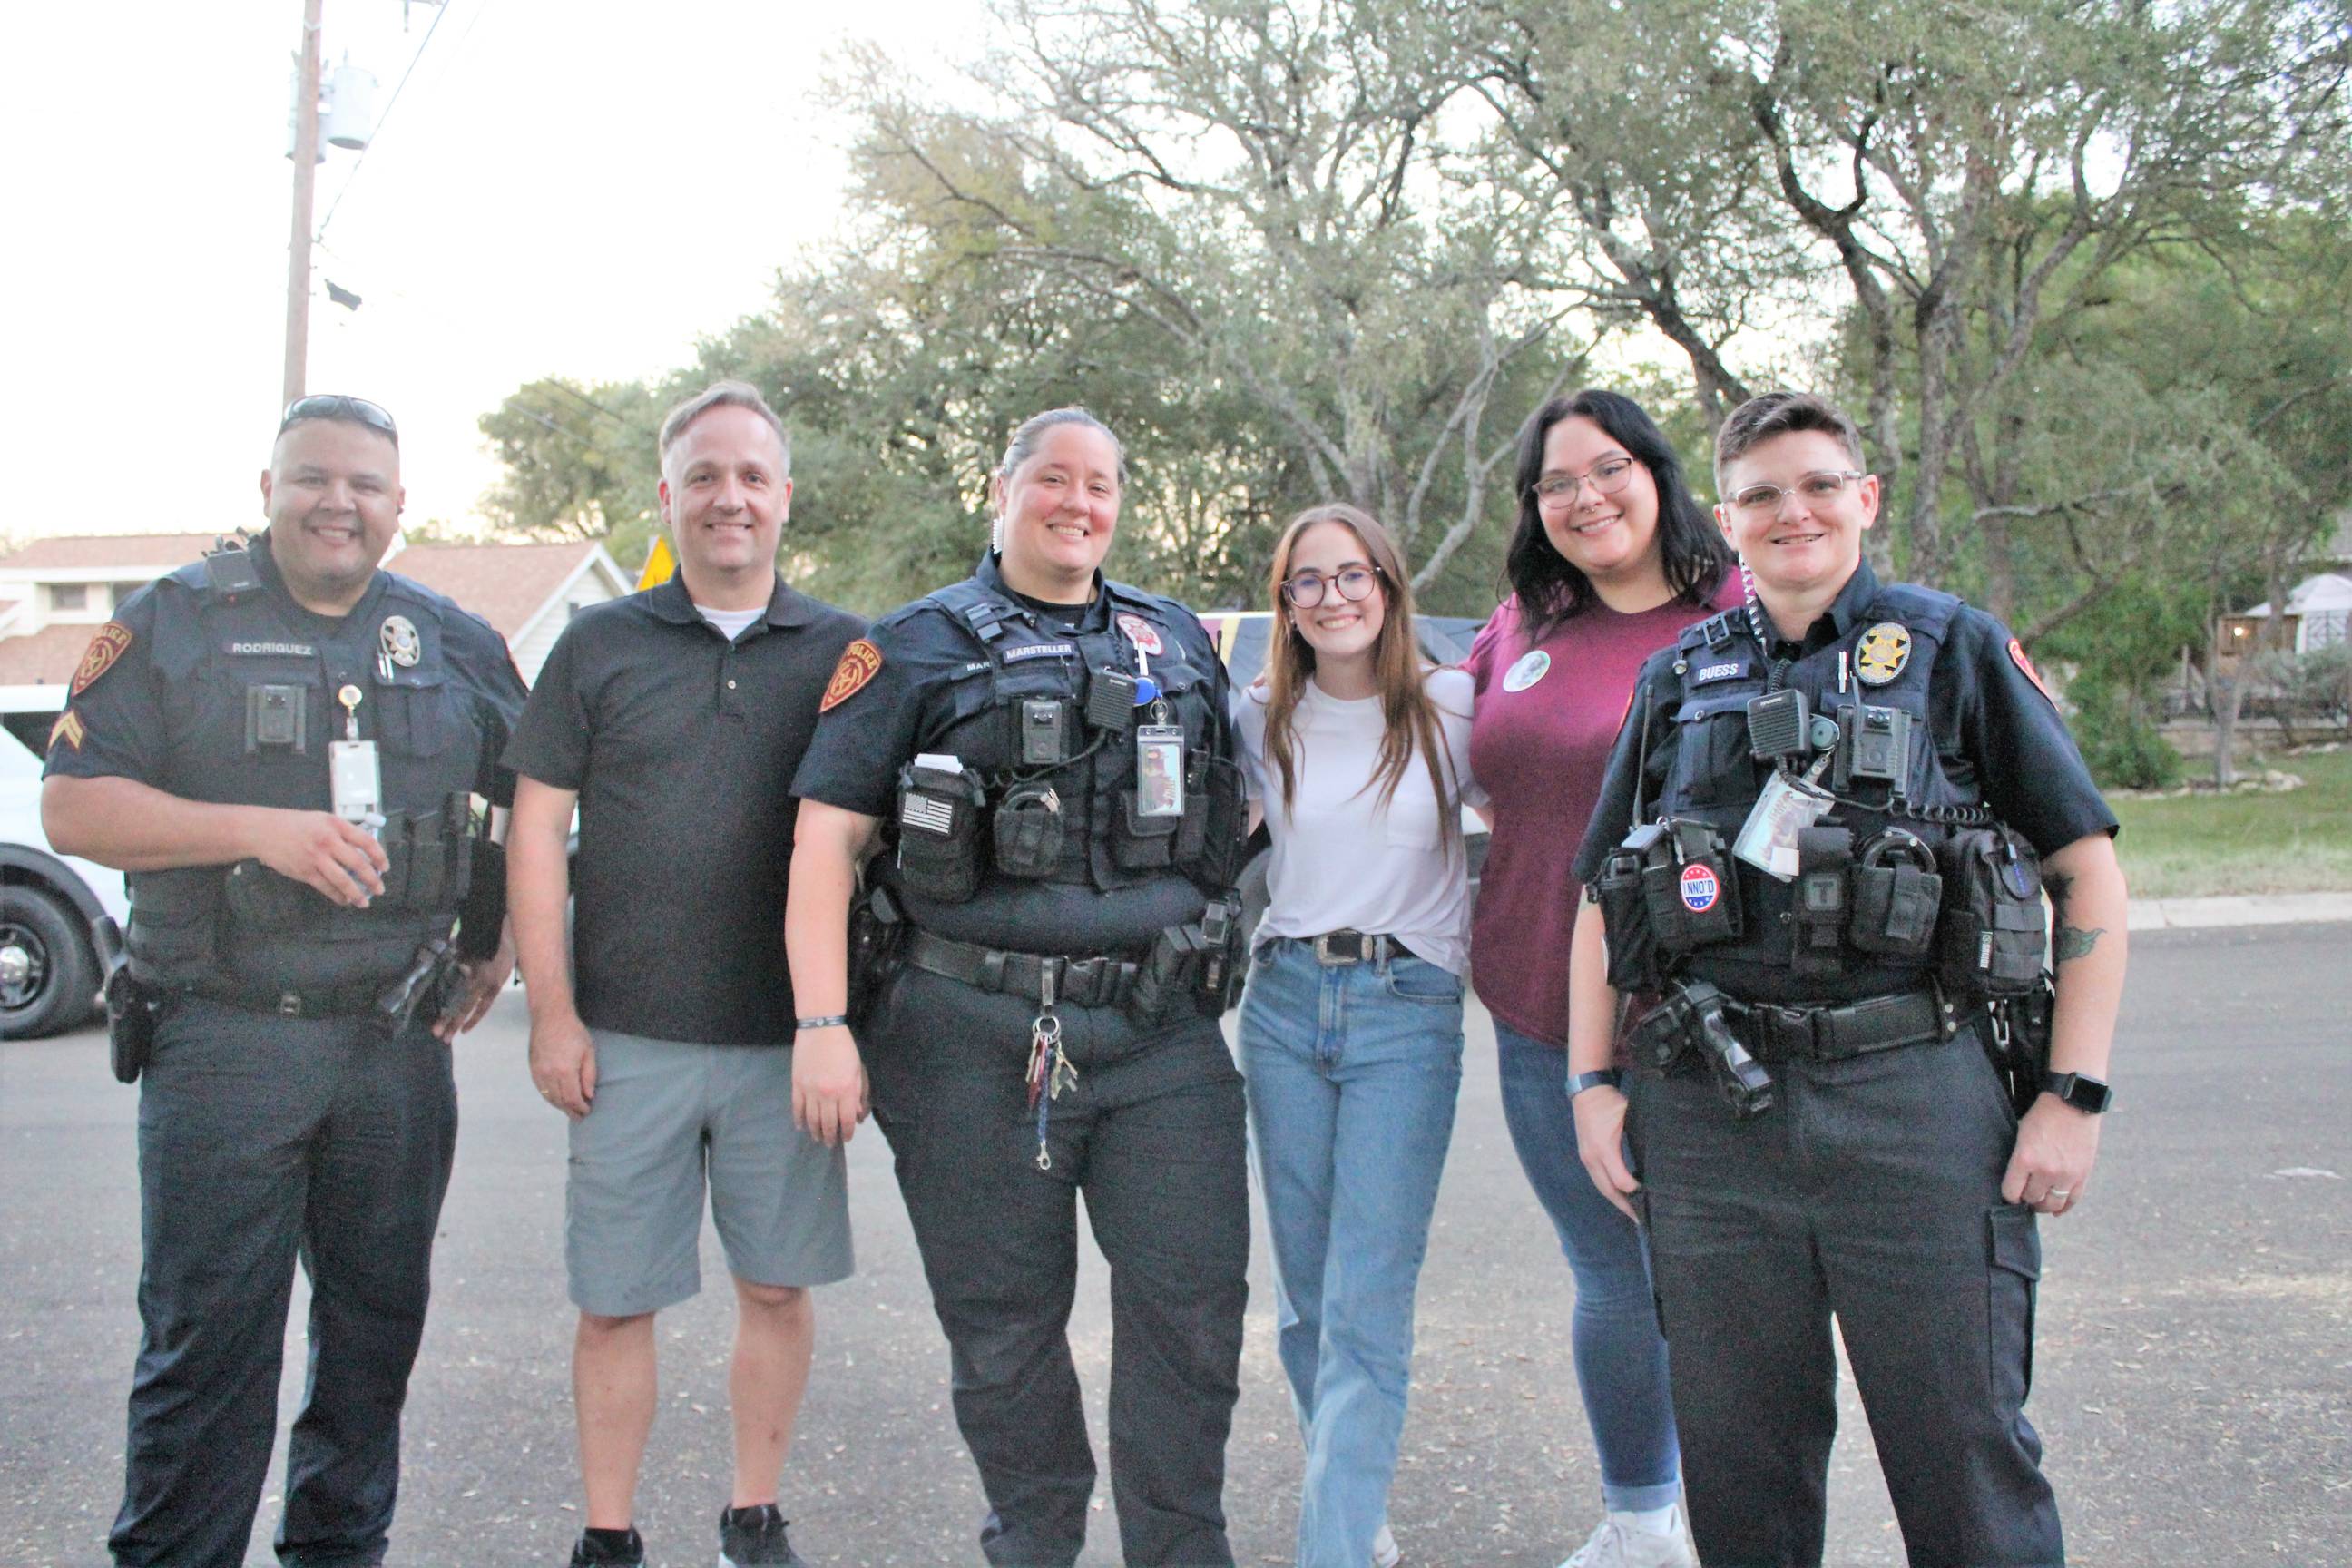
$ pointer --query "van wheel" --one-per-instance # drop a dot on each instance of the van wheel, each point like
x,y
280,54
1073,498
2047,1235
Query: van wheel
x,y
48,977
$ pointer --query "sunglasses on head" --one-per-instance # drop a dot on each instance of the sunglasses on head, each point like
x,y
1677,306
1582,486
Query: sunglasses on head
x,y
340,405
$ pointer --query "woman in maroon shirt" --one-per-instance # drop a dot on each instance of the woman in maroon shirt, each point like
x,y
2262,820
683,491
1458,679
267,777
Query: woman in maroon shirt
x,y
1613,556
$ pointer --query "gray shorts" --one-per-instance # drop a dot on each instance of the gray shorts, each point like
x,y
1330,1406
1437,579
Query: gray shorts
x,y
668,1115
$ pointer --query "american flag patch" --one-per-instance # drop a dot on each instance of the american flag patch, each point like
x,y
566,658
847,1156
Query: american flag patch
x,y
927,813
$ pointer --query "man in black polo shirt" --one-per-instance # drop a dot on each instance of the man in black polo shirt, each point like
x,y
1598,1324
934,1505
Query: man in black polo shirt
x,y
673,719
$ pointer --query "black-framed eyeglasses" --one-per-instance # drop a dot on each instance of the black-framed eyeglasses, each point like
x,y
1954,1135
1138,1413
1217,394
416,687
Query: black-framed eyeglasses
x,y
1817,489
1608,475
1304,591
340,405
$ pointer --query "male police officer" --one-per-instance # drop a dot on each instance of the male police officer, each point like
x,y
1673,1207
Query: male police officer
x,y
279,744
674,719
1836,800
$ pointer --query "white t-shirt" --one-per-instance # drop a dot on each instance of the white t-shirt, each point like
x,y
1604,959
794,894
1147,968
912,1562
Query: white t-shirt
x,y
1342,858
730,623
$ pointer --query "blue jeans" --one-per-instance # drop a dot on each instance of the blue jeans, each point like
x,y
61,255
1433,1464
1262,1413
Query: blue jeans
x,y
1352,1072
1620,1358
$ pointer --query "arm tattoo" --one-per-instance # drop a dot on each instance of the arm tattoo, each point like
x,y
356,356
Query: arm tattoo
x,y
2060,887
2074,941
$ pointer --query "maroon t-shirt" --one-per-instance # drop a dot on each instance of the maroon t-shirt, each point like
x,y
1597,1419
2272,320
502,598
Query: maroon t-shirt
x,y
1540,741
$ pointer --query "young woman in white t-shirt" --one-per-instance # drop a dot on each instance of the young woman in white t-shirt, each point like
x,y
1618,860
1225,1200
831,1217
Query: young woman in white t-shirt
x,y
1357,752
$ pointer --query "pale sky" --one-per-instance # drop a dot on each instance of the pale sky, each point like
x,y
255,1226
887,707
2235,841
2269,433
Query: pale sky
x,y
571,187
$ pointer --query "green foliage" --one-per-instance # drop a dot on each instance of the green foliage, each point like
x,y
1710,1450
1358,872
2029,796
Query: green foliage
x,y
2192,846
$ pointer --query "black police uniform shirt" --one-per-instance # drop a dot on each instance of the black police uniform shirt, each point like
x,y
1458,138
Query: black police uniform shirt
x,y
1997,735
927,687
163,696
681,744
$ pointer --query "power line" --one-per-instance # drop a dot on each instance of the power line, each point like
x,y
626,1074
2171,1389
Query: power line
x,y
381,120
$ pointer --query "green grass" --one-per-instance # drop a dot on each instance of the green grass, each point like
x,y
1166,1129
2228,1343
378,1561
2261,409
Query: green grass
x,y
2298,842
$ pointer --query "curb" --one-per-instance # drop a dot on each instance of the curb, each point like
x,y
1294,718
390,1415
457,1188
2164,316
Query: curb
x,y
2248,909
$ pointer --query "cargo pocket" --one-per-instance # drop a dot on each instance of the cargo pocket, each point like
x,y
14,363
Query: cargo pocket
x,y
2016,1268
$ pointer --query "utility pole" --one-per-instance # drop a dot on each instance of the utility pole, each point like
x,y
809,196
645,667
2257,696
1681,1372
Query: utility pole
x,y
306,164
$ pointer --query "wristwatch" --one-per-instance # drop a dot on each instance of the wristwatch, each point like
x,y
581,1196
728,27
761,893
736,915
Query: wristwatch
x,y
1579,1082
2080,1089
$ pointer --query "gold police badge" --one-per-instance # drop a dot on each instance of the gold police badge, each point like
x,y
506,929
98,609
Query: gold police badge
x,y
400,644
1885,650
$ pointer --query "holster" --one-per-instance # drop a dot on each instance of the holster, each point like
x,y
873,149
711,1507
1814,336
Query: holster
x,y
875,927
130,1007
2016,1039
1690,1026
423,986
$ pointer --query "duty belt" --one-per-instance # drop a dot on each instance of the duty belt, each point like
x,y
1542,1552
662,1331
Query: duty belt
x,y
1098,981
1778,1034
345,1000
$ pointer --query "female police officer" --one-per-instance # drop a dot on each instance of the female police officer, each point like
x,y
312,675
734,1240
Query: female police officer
x,y
1836,796
1044,755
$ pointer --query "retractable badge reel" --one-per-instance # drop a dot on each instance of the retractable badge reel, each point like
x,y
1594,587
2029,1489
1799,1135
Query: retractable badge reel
x,y
1158,745
354,779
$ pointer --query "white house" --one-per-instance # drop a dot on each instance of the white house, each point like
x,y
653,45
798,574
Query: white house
x,y
2318,611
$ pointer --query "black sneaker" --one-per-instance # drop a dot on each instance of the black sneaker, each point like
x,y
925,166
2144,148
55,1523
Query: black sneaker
x,y
754,1538
597,1548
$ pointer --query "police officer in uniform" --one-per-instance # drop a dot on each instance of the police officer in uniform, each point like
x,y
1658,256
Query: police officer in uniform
x,y
281,745
1060,941
1824,839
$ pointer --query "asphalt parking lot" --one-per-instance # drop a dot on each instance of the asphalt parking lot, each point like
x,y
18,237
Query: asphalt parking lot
x,y
2193,1378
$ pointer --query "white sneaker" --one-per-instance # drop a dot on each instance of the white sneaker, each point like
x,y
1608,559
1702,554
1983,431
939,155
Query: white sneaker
x,y
1616,1544
1386,1553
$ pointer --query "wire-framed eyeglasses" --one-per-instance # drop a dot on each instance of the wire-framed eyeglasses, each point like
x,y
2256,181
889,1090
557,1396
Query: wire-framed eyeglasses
x,y
1355,584
1816,488
1608,475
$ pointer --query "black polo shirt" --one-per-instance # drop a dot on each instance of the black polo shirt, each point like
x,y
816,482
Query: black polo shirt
x,y
682,746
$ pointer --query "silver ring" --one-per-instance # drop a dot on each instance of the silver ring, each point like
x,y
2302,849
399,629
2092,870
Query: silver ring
x,y
2062,1191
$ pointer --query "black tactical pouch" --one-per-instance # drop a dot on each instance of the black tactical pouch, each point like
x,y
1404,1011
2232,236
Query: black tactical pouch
x,y
939,833
1819,916
1141,843
1224,960
1213,846
1993,936
260,898
1625,912
1166,976
875,928
1897,895
1029,830
1689,884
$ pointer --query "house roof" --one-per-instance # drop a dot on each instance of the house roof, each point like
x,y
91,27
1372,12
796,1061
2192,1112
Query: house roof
x,y
103,552
506,584
2326,591
46,658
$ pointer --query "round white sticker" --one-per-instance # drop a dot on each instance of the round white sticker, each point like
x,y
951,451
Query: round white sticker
x,y
1531,667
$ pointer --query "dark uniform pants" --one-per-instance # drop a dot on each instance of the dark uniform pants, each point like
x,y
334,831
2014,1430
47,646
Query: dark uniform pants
x,y
1154,1135
260,1139
1870,1190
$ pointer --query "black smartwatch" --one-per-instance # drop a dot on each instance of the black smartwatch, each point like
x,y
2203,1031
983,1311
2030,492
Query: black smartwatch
x,y
2080,1089
1579,1082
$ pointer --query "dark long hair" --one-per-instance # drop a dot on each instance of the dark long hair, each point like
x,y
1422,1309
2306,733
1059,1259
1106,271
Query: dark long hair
x,y
1692,551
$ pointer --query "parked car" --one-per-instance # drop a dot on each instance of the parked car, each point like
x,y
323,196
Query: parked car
x,y
49,904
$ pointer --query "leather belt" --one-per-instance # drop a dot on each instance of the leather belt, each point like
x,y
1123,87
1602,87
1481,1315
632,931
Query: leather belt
x,y
350,1000
1340,947
1099,982
1780,1034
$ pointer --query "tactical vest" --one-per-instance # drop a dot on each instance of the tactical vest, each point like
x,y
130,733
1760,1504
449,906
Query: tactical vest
x,y
1081,822
1713,777
225,660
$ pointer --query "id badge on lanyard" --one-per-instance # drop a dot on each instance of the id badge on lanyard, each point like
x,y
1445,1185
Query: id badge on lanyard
x,y
1158,745
354,777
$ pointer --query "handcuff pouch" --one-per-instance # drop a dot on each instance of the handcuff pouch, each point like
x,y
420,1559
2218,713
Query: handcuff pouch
x,y
1029,830
1897,895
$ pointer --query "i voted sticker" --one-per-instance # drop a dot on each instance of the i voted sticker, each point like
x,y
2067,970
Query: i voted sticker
x,y
1531,667
1700,889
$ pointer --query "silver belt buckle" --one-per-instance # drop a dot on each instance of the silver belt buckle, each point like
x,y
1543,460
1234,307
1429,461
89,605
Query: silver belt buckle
x,y
1325,954
290,1004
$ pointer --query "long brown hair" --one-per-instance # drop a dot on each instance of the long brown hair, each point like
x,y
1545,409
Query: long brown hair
x,y
1409,718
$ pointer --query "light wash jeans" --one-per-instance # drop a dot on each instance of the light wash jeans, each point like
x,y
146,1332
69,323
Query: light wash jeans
x,y
1621,1359
1352,1072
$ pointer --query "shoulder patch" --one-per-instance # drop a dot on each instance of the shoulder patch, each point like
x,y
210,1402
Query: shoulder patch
x,y
103,650
860,661
2017,657
67,731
